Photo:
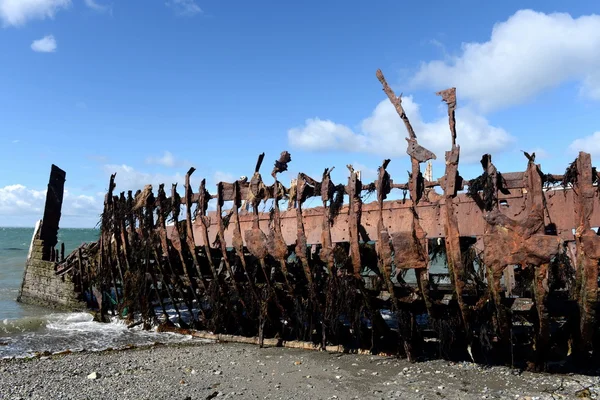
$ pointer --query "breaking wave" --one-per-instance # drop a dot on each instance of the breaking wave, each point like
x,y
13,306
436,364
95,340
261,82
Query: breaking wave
x,y
75,332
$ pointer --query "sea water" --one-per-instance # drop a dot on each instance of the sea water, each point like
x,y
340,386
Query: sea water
x,y
25,329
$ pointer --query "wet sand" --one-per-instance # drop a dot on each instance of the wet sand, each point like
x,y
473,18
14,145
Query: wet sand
x,y
208,370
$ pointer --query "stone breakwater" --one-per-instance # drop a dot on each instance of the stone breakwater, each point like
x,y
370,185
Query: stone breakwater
x,y
207,371
42,286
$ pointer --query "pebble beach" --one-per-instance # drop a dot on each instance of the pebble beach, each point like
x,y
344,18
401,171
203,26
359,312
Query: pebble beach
x,y
200,370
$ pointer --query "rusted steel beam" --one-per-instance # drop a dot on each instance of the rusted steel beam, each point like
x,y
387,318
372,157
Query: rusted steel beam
x,y
302,192
158,294
134,284
163,212
256,242
238,245
178,245
189,231
238,241
449,97
107,235
194,284
383,238
540,291
204,221
234,284
112,230
494,260
510,242
452,238
353,189
223,243
398,214
126,249
165,283
588,253
158,240
276,245
116,242
535,223
418,244
330,197
130,220
384,250
146,221
397,103
354,213
308,187
417,235
411,246
327,192
511,180
165,208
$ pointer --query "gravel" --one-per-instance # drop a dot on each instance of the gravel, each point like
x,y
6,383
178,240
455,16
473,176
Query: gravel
x,y
228,371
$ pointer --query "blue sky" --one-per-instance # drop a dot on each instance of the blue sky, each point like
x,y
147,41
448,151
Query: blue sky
x,y
148,88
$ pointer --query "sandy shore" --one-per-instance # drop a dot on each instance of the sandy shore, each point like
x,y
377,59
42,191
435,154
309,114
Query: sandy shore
x,y
206,371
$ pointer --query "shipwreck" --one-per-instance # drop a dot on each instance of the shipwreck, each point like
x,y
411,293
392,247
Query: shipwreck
x,y
521,252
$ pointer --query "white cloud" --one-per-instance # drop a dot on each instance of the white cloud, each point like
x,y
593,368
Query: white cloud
x,y
318,134
526,54
383,133
23,206
82,205
591,86
18,199
18,12
589,144
20,205
97,7
128,178
47,44
184,7
221,176
167,160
